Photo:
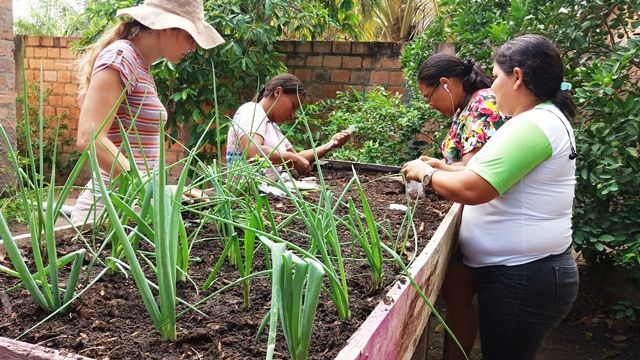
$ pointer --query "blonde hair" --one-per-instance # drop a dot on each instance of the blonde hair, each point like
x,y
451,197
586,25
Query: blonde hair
x,y
123,30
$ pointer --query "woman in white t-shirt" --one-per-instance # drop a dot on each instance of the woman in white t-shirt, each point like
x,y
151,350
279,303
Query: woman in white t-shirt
x,y
518,193
254,130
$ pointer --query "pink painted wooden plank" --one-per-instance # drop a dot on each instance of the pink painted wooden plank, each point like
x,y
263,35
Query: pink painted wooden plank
x,y
393,329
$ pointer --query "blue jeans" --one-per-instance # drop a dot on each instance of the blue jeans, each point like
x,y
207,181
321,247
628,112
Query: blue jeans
x,y
519,305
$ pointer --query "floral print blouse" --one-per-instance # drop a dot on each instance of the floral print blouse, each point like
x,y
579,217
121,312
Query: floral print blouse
x,y
472,126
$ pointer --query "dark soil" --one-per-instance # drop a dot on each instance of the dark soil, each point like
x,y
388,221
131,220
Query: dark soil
x,y
110,321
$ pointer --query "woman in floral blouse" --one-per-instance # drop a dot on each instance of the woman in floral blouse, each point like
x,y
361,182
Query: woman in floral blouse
x,y
460,89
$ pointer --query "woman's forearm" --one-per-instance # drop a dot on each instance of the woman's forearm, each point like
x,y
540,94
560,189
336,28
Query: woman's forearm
x,y
463,187
321,151
109,158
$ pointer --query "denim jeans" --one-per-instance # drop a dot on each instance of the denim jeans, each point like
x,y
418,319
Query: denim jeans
x,y
519,305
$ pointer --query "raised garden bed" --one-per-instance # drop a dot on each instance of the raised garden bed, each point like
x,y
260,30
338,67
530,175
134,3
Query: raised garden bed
x,y
109,319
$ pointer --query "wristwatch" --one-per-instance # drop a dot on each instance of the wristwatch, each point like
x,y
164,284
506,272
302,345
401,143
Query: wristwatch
x,y
426,179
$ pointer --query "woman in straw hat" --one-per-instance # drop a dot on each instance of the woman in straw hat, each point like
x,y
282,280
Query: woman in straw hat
x,y
116,73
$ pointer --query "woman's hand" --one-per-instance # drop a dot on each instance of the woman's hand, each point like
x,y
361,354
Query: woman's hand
x,y
192,194
339,139
415,170
302,165
434,162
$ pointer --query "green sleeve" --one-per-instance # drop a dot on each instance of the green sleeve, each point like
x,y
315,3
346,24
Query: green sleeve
x,y
511,154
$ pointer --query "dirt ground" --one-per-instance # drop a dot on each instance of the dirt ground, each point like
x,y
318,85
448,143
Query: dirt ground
x,y
590,331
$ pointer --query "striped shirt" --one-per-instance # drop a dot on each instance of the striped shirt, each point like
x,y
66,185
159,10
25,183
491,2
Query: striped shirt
x,y
140,111
139,115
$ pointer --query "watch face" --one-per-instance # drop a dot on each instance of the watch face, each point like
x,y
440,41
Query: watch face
x,y
426,180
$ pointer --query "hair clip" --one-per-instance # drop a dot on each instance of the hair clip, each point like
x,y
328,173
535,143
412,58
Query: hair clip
x,y
565,86
133,32
467,66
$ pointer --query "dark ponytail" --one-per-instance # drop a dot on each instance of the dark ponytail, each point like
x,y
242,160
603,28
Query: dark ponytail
x,y
541,66
450,66
289,83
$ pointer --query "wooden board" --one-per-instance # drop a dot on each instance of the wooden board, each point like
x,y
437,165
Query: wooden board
x,y
394,328
18,350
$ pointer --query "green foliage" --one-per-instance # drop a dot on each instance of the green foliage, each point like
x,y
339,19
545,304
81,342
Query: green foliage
x,y
626,309
243,63
385,127
50,18
599,65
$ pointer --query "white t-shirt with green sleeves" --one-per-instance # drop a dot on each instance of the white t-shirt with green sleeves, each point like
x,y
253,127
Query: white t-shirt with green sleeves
x,y
527,162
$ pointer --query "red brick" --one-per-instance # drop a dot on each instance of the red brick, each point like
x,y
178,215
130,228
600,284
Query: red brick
x,y
55,100
371,63
321,76
396,78
69,101
352,62
303,47
62,112
32,75
39,52
71,89
48,64
64,76
295,59
360,48
360,76
50,76
64,64
33,64
380,77
322,47
57,89
329,91
285,46
46,41
302,74
62,42
28,52
67,54
341,47
332,61
340,75
315,61
390,63
32,41
74,113
53,53
49,111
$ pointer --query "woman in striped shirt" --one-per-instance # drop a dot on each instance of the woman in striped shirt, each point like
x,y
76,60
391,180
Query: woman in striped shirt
x,y
115,73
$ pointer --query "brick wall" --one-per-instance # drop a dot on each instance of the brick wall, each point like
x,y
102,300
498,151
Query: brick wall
x,y
7,90
327,67
51,58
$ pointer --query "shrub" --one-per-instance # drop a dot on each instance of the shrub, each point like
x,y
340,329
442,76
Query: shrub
x,y
384,126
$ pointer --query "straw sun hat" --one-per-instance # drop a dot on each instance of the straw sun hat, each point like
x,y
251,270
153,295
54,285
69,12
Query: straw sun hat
x,y
187,15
